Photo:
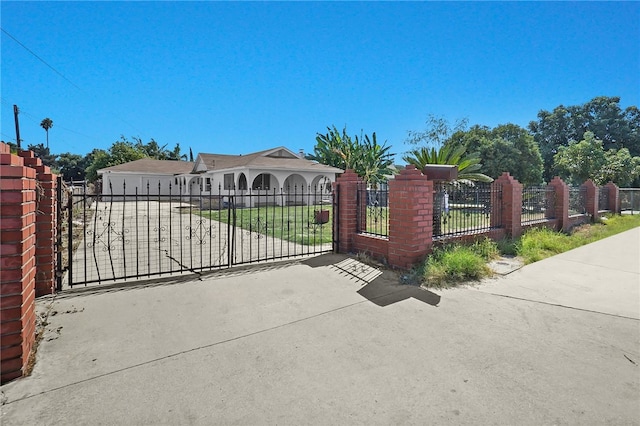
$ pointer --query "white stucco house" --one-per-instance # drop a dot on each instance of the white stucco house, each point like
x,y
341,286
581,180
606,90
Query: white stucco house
x,y
251,179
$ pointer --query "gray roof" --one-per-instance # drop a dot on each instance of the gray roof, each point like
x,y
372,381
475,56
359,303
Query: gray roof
x,y
151,166
277,158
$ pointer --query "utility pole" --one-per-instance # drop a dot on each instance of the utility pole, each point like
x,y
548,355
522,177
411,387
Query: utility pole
x,y
15,115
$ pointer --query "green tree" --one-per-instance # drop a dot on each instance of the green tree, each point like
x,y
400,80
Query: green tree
x,y
364,155
122,151
603,116
587,159
72,166
505,148
469,165
46,124
580,161
621,168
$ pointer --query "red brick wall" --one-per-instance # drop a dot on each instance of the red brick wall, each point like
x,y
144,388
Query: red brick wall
x,y
17,263
562,202
345,222
46,216
614,197
411,216
27,237
592,198
511,205
376,247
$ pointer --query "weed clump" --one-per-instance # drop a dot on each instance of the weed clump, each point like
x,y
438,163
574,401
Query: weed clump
x,y
452,264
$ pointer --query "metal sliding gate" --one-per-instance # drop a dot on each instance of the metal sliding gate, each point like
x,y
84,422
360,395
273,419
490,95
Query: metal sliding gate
x,y
131,235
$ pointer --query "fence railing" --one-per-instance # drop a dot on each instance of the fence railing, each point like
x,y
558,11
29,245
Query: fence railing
x,y
630,200
373,211
155,231
538,204
464,209
603,198
577,201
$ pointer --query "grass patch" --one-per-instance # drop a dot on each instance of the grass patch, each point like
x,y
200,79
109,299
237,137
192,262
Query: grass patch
x,y
451,264
539,243
296,224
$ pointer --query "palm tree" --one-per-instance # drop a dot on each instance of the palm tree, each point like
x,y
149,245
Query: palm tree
x,y
468,165
46,124
374,161
365,156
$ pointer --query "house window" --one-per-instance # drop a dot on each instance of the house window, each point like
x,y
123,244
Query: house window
x,y
207,184
262,181
228,181
242,182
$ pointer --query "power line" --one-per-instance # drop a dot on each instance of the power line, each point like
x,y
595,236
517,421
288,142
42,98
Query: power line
x,y
38,121
40,59
12,138
61,75
66,79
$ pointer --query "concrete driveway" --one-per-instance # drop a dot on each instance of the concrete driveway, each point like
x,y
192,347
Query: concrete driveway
x,y
333,341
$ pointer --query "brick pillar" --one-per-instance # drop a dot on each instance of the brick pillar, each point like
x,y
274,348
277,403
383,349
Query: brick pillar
x,y
410,218
511,205
614,197
345,222
592,198
561,203
46,218
17,263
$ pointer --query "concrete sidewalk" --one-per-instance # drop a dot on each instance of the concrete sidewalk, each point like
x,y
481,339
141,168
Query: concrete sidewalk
x,y
333,341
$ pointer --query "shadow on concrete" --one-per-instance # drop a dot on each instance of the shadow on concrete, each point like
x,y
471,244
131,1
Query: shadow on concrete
x,y
381,287
383,292
175,278
327,259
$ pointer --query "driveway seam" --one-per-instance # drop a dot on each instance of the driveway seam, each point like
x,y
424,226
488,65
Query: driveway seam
x,y
599,266
559,305
232,339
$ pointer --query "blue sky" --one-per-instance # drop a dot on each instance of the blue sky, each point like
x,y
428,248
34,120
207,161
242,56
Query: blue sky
x,y
234,78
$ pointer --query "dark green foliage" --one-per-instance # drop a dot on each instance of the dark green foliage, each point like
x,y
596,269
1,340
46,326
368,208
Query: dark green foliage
x,y
468,165
364,155
505,148
124,151
615,127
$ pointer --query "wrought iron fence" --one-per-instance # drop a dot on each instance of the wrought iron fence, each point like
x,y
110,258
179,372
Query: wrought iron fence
x,y
373,211
577,201
463,209
603,198
129,233
629,200
538,204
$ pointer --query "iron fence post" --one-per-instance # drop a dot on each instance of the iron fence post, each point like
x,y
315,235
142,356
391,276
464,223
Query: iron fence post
x,y
59,266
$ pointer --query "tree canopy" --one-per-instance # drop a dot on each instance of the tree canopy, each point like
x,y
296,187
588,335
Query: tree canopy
x,y
124,151
505,148
603,116
588,159
437,148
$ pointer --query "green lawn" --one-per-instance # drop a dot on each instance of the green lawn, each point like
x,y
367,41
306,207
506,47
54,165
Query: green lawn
x,y
291,223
